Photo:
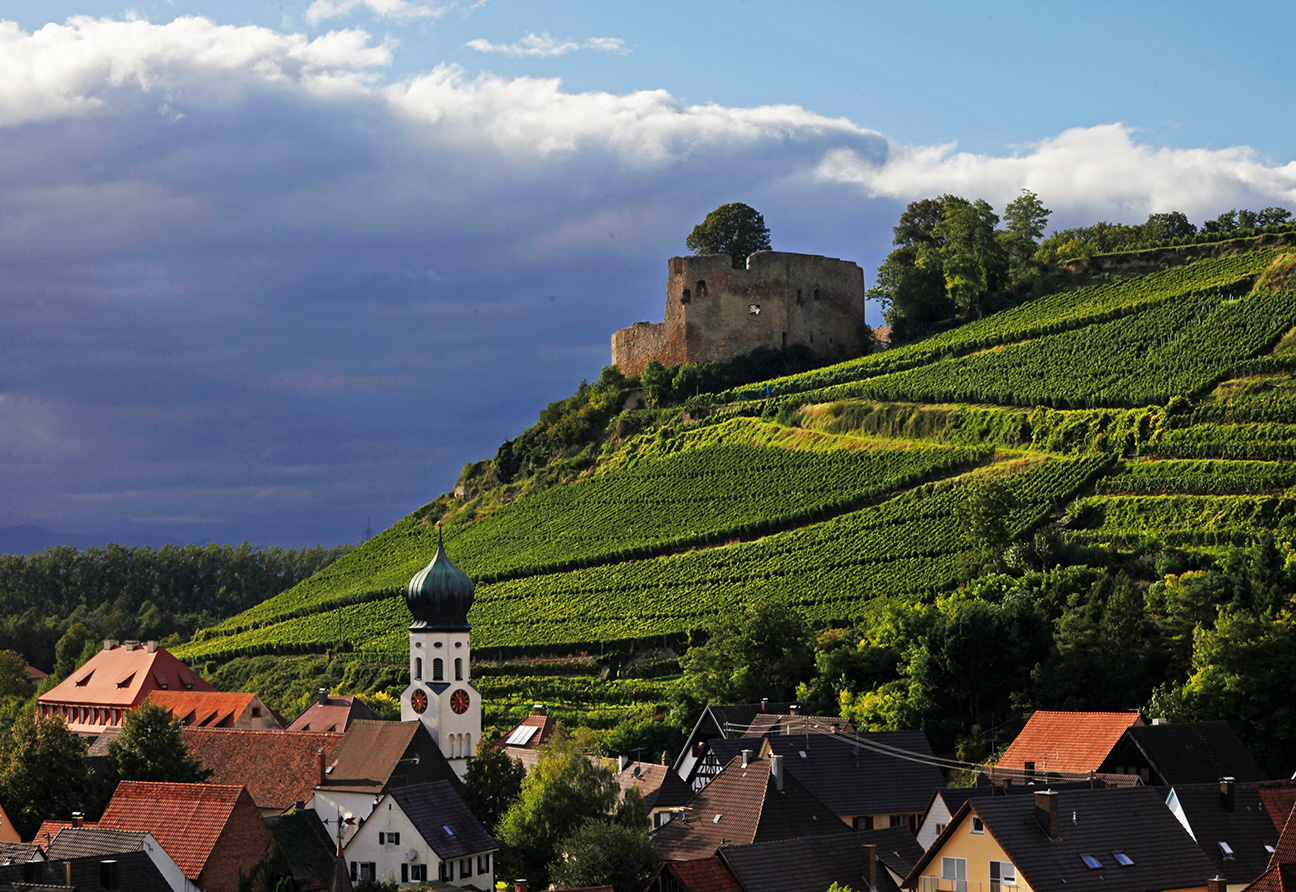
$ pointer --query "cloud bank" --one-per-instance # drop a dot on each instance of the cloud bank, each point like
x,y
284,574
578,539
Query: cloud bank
x,y
546,44
251,286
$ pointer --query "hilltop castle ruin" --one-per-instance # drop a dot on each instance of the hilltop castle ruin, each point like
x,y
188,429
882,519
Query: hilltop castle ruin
x,y
715,312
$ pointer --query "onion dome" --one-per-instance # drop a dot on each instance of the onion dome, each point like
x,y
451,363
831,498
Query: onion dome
x,y
440,594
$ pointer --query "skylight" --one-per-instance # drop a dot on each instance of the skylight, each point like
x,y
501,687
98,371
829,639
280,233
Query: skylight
x,y
1091,862
716,819
1122,859
1227,850
448,831
802,752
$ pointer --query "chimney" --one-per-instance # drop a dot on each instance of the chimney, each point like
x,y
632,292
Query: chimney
x,y
746,758
1046,811
623,762
108,874
663,757
131,644
538,709
151,646
1216,883
1226,793
77,818
764,704
321,696
519,886
1159,721
776,769
870,867
1030,771
67,874
320,755
110,643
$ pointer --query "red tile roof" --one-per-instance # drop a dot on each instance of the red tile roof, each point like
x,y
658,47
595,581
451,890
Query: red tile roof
x,y
335,715
34,674
122,675
279,769
1278,798
1067,742
186,819
204,709
704,875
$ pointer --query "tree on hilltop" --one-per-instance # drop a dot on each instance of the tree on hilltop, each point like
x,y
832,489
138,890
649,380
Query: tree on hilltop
x,y
734,229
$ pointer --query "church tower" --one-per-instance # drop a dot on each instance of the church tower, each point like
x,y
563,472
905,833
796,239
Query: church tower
x,y
440,693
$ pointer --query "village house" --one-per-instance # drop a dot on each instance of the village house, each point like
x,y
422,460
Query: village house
x,y
126,872
1280,875
1119,840
116,680
280,770
1183,753
1232,825
420,833
1063,744
332,714
523,742
73,843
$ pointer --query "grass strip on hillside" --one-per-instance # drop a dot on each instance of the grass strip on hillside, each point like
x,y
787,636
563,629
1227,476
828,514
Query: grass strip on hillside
x,y
1199,477
1181,520
1261,442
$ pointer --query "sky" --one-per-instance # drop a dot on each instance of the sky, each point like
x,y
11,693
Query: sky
x,y
276,271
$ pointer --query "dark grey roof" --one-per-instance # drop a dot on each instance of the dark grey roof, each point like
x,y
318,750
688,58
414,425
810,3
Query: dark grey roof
x,y
956,796
1195,752
443,820
136,872
852,777
18,852
672,792
807,864
897,848
1132,820
88,842
1246,827
733,720
303,846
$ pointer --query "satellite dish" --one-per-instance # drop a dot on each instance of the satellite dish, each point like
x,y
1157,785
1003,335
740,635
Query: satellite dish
x,y
411,854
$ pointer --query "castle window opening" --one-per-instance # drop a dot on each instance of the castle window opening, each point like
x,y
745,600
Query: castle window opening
x,y
687,297
701,288
753,309
816,294
438,669
812,337
785,340
800,299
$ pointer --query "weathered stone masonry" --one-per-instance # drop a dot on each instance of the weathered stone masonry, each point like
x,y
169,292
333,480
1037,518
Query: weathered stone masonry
x,y
715,312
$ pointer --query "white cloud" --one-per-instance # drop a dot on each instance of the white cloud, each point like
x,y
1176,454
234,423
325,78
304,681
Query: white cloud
x,y
1101,170
321,10
72,68
547,45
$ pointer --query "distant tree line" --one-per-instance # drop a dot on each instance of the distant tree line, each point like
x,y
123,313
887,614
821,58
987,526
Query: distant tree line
x,y
136,592
1160,231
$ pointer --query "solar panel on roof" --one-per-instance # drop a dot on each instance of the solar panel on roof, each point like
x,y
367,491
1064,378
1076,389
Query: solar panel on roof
x,y
521,735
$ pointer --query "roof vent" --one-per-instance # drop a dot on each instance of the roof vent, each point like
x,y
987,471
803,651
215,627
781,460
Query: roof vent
x,y
746,758
776,769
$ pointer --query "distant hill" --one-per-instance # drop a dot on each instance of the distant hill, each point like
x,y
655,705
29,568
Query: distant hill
x,y
27,539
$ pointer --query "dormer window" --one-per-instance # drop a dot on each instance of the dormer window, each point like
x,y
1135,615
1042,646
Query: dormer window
x,y
85,681
978,826
125,682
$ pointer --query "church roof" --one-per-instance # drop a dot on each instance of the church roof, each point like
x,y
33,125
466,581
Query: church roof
x,y
440,594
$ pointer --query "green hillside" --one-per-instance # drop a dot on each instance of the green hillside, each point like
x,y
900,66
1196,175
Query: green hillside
x,y
1159,408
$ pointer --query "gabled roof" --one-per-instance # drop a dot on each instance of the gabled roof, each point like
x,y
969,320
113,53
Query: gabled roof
x,y
764,724
734,719
1280,876
897,848
443,820
136,872
1278,797
740,806
87,842
1133,821
204,709
185,819
700,875
377,756
19,852
122,674
530,733
34,674
1195,752
279,769
1066,742
303,847
863,774
332,714
809,864
1243,825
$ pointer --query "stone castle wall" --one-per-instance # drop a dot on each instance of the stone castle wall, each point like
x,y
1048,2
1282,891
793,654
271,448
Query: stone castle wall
x,y
715,312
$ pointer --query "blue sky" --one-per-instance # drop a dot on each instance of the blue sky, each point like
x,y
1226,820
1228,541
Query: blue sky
x,y
269,269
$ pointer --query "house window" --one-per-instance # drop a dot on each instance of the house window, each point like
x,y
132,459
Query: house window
x,y
404,872
978,827
954,870
483,863
256,712
418,873
368,870
458,668
898,821
863,822
438,669
388,839
940,828
1002,873
447,871
465,867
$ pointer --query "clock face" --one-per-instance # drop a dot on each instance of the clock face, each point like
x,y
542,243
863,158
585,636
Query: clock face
x,y
459,701
418,700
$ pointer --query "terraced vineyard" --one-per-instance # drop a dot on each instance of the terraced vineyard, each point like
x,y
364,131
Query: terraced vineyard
x,y
1161,406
